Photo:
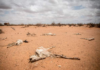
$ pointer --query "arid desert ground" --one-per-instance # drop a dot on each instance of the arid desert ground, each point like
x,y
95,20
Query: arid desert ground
x,y
65,42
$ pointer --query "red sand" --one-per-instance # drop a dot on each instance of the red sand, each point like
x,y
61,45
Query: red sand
x,y
16,57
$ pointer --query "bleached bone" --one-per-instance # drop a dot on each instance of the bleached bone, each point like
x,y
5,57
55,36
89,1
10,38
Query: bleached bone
x,y
19,42
11,44
62,56
89,39
34,58
13,28
42,53
51,34
29,34
77,34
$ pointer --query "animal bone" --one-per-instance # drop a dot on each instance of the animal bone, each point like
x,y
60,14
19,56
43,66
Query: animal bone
x,y
51,34
42,53
89,39
19,42
13,28
11,44
62,56
77,34
34,58
29,34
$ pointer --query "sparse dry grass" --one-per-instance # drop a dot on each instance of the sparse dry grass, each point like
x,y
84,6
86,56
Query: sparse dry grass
x,y
80,24
93,25
54,24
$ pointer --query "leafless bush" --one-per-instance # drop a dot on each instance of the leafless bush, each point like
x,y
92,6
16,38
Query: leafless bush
x,y
22,24
13,24
53,24
7,24
80,24
44,25
98,25
38,24
59,24
25,26
30,24
91,25
1,24
69,25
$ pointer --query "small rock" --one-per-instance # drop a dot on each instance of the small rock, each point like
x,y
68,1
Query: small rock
x,y
25,41
59,65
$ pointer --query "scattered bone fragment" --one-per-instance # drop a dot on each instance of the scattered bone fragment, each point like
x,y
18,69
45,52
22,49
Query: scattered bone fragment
x,y
42,53
59,65
13,28
11,44
89,39
33,34
62,56
48,34
77,34
36,64
19,41
25,26
29,34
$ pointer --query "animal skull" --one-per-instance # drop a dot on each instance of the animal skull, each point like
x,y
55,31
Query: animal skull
x,y
19,42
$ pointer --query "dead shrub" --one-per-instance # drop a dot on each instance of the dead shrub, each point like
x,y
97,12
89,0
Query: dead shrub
x,y
44,25
73,24
1,24
80,24
59,24
90,25
38,24
7,24
69,25
53,24
98,25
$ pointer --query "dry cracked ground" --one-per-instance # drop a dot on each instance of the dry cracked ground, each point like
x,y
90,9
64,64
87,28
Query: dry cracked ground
x,y
65,42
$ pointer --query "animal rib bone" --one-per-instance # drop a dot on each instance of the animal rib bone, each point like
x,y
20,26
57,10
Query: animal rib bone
x,y
77,34
89,39
42,53
49,34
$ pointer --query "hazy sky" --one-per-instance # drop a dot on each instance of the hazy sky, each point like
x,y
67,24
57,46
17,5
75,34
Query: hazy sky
x,y
47,11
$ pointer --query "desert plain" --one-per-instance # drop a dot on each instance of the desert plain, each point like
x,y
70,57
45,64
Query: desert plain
x,y
65,42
